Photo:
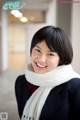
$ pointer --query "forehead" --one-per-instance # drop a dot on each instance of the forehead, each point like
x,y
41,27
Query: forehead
x,y
43,46
43,43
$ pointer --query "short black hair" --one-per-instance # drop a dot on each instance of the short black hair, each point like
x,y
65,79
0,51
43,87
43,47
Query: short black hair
x,y
56,40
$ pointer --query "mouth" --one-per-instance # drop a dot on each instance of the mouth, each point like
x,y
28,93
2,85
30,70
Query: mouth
x,y
40,65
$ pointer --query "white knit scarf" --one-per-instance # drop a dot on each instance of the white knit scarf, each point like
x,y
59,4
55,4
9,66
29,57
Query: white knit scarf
x,y
47,82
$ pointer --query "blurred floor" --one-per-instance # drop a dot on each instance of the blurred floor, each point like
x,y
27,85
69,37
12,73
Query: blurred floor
x,y
7,94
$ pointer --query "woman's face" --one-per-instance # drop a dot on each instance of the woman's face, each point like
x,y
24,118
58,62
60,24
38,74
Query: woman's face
x,y
43,59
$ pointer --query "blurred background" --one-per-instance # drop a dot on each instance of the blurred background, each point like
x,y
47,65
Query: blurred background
x,y
19,20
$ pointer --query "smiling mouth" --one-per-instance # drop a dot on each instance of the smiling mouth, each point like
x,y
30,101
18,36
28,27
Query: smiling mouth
x,y
40,66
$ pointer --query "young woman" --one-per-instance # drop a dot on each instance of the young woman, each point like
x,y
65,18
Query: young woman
x,y
50,88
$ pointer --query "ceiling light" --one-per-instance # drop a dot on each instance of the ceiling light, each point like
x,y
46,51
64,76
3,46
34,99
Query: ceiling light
x,y
23,19
16,13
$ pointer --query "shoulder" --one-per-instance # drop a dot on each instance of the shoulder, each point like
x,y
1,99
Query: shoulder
x,y
70,87
20,81
74,83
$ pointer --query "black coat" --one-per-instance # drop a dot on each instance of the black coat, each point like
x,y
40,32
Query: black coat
x,y
63,102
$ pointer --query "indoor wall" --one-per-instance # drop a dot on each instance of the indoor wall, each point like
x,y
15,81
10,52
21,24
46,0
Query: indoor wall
x,y
16,47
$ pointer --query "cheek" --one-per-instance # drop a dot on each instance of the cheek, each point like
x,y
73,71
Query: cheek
x,y
34,55
53,63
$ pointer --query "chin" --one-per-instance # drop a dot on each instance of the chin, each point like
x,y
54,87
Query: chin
x,y
38,72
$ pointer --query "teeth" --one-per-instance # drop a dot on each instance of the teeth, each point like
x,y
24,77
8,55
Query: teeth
x,y
40,65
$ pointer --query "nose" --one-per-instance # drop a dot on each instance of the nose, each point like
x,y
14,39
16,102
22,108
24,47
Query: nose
x,y
42,58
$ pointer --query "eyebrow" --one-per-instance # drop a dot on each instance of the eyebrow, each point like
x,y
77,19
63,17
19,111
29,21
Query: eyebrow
x,y
38,47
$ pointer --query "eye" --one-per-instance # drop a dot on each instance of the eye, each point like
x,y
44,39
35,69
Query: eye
x,y
50,54
37,50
